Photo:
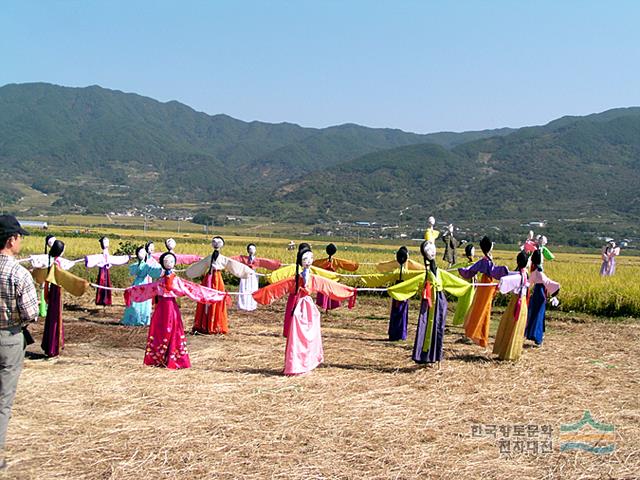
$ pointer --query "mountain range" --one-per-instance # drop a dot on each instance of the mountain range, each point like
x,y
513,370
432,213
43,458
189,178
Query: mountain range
x,y
98,150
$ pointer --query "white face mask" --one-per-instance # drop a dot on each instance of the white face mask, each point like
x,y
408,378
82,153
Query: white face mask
x,y
429,251
431,221
170,243
105,243
251,250
307,259
217,243
151,248
142,254
50,241
169,262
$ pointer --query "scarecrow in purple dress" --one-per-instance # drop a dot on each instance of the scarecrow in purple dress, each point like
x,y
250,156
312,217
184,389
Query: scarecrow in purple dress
x,y
56,278
104,261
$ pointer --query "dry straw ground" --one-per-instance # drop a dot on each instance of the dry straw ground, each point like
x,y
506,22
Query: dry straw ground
x,y
368,412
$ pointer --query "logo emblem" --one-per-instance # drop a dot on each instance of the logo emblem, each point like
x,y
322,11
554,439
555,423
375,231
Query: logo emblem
x,y
587,435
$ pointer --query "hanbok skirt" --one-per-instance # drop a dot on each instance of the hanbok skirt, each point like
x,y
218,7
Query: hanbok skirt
x,y
478,319
326,303
292,300
53,336
247,287
398,319
462,308
166,343
304,350
212,318
138,314
537,310
434,331
510,334
103,296
608,268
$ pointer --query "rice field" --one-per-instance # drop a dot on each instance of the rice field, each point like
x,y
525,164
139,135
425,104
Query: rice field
x,y
583,290
134,225
368,411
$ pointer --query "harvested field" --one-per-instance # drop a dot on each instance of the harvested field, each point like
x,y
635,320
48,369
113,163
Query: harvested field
x,y
369,412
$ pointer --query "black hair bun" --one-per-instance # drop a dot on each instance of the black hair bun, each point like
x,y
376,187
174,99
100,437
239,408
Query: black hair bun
x,y
402,255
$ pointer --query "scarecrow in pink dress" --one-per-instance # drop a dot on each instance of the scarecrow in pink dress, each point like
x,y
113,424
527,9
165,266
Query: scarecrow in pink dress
x,y
304,350
166,342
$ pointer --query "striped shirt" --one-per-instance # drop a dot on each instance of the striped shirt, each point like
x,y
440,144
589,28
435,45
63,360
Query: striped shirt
x,y
18,297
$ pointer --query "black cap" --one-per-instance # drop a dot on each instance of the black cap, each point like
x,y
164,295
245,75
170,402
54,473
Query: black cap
x,y
9,225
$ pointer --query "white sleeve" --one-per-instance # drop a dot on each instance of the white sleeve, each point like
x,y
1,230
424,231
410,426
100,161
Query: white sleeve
x,y
66,264
237,269
510,283
95,260
118,259
198,269
39,261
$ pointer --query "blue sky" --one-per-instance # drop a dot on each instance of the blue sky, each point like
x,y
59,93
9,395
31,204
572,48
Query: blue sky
x,y
421,66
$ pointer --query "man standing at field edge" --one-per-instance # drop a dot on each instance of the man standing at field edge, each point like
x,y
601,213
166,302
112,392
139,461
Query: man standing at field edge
x,y
18,307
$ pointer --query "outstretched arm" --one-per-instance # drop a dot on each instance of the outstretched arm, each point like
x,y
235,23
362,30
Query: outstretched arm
x,y
408,288
471,271
347,265
550,286
140,293
118,259
269,294
73,284
333,289
237,269
267,263
154,271
187,259
200,268
455,285
197,293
